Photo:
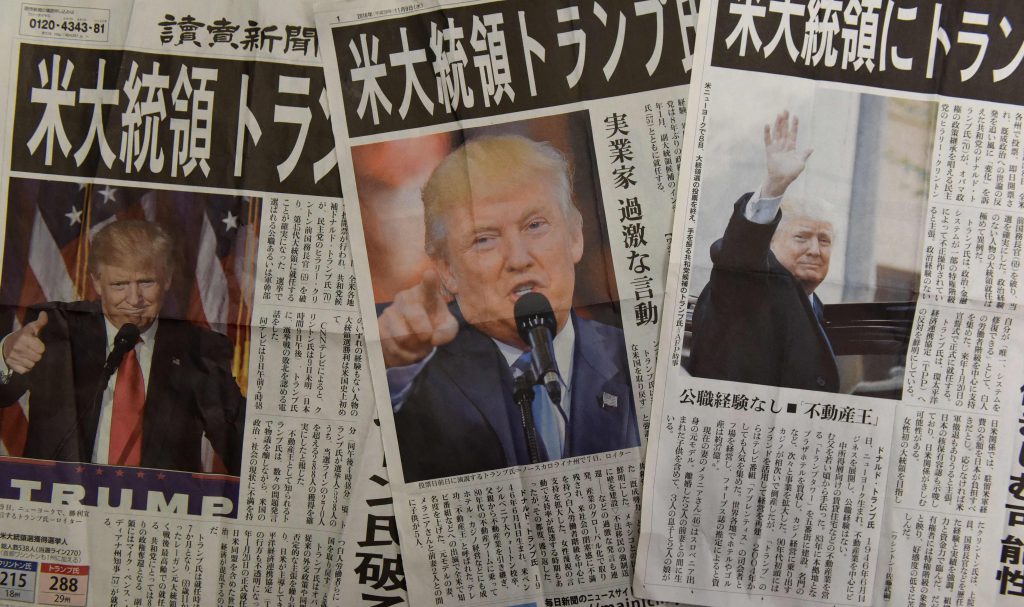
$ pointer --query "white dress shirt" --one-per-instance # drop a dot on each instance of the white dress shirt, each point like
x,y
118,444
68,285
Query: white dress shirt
x,y
762,210
565,347
144,352
400,379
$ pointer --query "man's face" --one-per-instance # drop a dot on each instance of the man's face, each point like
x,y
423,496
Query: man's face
x,y
804,246
131,295
506,243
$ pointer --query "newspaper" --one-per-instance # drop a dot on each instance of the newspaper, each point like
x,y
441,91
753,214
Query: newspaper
x,y
170,167
837,406
508,161
369,562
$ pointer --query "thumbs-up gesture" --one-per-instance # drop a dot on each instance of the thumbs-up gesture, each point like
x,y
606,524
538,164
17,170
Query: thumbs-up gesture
x,y
23,348
416,322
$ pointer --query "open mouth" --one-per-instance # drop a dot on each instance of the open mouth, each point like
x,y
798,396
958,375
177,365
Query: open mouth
x,y
523,289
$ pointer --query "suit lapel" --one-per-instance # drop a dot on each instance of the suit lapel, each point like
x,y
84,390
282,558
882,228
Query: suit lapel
x,y
158,415
88,336
488,392
602,397
819,314
809,304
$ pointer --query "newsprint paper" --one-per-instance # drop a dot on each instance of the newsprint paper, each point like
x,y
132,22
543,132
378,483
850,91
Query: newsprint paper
x,y
838,398
169,166
509,171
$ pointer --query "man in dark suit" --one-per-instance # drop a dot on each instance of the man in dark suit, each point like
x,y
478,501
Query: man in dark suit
x,y
500,223
171,387
758,319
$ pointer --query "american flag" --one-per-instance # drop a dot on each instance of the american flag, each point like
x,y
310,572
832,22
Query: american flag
x,y
49,227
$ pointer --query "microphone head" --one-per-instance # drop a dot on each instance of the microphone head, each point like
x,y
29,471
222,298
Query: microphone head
x,y
126,338
533,310
128,335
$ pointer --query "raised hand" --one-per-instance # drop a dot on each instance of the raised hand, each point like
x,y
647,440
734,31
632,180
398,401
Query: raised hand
x,y
785,162
23,348
416,322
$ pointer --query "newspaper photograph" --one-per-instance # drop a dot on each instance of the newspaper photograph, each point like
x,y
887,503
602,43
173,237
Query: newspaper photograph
x,y
836,398
510,171
183,390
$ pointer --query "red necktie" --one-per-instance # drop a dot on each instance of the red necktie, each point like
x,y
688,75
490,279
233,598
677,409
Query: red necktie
x,y
126,419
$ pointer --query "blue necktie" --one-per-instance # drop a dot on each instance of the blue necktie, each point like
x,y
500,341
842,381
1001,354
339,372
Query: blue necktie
x,y
819,315
545,414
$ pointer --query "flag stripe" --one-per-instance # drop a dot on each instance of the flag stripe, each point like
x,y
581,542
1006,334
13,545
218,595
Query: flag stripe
x,y
48,264
217,239
210,278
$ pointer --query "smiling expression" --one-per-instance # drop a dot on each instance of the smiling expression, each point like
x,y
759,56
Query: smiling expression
x,y
131,295
804,246
510,241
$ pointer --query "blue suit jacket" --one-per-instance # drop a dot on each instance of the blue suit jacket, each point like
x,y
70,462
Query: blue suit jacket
x,y
459,416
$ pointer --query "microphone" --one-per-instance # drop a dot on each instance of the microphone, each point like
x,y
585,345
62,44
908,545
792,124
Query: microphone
x,y
536,324
126,338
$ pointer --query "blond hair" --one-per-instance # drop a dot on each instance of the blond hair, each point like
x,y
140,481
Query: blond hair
x,y
483,164
132,243
794,206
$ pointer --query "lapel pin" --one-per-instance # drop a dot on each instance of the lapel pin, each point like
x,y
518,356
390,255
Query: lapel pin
x,y
176,362
609,401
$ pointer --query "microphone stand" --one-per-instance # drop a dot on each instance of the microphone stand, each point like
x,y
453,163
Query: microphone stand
x,y
523,395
